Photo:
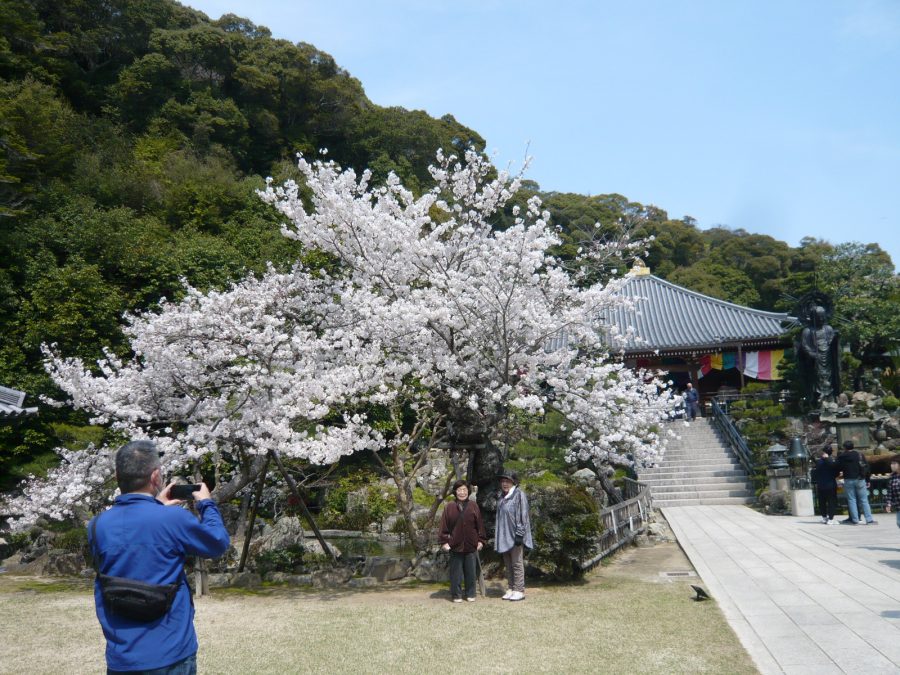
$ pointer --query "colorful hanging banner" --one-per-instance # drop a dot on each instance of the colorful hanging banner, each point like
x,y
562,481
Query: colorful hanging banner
x,y
758,365
717,362
763,365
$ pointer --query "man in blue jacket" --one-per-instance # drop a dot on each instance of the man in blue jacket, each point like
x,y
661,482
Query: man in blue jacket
x,y
691,402
143,538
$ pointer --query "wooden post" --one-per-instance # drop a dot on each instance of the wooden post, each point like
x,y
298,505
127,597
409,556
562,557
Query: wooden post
x,y
248,531
292,485
201,573
740,365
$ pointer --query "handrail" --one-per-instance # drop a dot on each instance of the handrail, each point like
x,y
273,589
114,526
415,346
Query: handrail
x,y
733,437
622,522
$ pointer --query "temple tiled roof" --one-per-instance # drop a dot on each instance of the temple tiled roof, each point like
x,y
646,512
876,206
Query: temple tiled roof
x,y
670,318
11,401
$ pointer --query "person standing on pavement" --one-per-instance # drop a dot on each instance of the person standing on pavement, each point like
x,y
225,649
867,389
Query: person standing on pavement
x,y
691,402
461,532
826,486
513,534
893,491
855,471
145,537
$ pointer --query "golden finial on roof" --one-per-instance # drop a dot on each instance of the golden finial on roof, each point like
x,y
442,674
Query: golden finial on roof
x,y
640,268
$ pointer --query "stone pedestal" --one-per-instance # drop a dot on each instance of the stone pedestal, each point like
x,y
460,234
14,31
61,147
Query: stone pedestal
x,y
854,429
802,502
779,479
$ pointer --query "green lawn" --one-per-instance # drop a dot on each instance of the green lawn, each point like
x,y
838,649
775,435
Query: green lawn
x,y
610,624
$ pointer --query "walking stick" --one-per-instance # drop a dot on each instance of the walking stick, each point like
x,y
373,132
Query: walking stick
x,y
480,574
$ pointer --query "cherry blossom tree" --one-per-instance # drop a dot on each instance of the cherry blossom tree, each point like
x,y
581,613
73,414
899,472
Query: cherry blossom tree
x,y
432,321
229,376
473,310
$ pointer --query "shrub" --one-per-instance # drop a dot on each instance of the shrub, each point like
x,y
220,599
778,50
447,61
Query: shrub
x,y
774,502
377,504
544,479
565,526
73,541
890,403
288,559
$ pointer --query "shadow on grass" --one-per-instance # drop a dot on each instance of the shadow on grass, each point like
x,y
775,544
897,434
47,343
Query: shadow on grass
x,y
433,590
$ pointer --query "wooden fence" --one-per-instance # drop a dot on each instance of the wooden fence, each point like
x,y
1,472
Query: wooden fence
x,y
624,521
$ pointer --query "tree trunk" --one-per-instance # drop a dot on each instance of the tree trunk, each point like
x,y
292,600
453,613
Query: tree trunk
x,y
240,528
292,485
614,495
485,462
226,491
248,535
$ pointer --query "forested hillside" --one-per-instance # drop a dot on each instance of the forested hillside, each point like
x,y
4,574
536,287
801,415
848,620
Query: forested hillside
x,y
134,134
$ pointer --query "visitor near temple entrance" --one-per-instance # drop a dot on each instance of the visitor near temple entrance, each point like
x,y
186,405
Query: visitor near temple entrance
x,y
826,486
855,471
691,402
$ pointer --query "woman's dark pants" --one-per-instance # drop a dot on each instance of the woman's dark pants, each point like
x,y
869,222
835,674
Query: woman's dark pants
x,y
462,564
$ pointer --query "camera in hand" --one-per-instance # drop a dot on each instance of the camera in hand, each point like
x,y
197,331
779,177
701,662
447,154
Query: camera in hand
x,y
183,491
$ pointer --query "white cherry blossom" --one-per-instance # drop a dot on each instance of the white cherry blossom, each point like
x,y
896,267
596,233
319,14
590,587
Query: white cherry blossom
x,y
431,307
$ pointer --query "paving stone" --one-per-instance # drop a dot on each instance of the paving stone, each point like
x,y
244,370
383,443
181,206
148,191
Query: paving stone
x,y
801,597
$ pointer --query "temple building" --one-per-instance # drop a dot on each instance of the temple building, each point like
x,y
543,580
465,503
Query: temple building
x,y
717,345
11,405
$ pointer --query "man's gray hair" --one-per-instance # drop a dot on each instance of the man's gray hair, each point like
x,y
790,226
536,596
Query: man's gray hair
x,y
135,462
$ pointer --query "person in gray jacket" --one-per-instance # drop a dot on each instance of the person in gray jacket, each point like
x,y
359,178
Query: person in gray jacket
x,y
513,533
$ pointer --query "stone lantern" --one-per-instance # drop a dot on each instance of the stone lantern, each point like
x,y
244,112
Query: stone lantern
x,y
778,471
801,494
777,454
798,459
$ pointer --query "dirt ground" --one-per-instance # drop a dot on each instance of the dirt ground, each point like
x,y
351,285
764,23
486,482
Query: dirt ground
x,y
660,563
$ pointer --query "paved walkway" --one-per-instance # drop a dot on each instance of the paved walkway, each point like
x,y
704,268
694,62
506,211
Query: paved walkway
x,y
803,597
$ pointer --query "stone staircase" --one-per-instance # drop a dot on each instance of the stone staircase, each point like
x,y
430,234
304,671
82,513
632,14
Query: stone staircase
x,y
698,468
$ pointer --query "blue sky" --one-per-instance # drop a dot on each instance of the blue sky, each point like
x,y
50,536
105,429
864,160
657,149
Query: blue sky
x,y
778,117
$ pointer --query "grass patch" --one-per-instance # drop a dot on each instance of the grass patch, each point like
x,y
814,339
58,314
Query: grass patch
x,y
46,585
608,623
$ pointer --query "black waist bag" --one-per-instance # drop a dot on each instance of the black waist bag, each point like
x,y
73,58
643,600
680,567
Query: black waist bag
x,y
136,600
129,598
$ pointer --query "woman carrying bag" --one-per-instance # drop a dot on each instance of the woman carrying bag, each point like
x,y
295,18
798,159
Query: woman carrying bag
x,y
513,536
461,532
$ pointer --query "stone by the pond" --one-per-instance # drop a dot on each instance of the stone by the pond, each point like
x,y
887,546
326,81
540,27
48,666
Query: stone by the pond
x,y
61,563
314,548
362,582
337,576
245,580
336,533
386,568
286,532
218,580
435,568
290,579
